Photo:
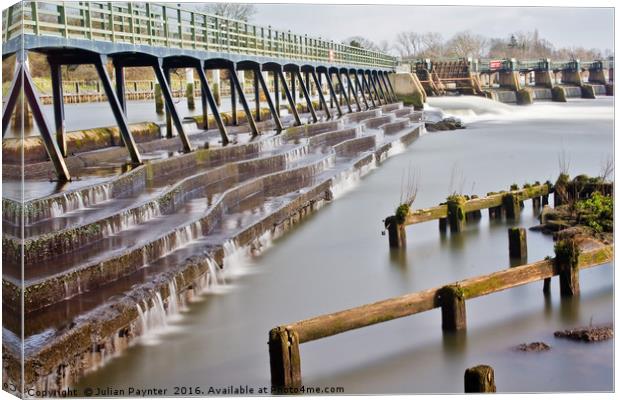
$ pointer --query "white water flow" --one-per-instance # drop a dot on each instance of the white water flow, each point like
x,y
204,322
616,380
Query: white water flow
x,y
337,259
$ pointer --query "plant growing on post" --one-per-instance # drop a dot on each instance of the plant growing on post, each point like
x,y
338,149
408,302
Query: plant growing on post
x,y
408,194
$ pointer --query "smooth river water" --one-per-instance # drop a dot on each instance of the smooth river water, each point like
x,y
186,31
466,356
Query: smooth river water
x,y
337,259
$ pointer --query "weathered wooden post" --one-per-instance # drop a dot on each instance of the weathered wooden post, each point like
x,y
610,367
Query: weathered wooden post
x,y
517,242
284,358
547,286
480,379
452,301
443,225
511,204
567,263
396,232
456,213
536,202
474,215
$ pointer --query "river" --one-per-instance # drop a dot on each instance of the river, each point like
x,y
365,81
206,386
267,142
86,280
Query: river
x,y
338,259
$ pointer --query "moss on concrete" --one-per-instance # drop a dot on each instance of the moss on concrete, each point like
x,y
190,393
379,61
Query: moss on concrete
x,y
415,99
587,91
525,97
558,94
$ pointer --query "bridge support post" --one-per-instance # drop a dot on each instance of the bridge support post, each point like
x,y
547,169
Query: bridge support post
x,y
322,101
233,101
517,243
59,107
353,90
289,97
276,89
360,87
255,74
164,83
375,77
511,205
332,95
244,103
456,215
344,92
374,87
397,235
119,74
169,133
543,78
547,286
480,379
22,82
443,225
206,93
272,108
366,85
284,358
567,263
453,315
119,116
306,94
205,112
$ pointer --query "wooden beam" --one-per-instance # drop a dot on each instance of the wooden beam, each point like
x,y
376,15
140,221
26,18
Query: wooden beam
x,y
414,303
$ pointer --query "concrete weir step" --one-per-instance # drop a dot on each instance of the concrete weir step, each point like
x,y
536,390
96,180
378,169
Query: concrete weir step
x,y
270,202
329,138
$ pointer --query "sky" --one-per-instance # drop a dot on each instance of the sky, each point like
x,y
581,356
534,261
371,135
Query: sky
x,y
564,27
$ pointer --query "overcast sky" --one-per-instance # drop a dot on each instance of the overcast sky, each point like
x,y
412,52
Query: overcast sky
x,y
564,27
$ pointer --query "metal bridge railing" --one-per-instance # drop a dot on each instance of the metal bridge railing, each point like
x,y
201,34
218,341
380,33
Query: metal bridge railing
x,y
167,25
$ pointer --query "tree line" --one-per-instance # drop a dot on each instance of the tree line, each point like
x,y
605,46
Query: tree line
x,y
519,45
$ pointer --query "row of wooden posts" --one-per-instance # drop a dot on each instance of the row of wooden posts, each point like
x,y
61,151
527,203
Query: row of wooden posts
x,y
284,340
458,209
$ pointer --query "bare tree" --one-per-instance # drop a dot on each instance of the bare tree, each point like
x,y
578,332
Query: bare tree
x,y
238,11
467,44
409,44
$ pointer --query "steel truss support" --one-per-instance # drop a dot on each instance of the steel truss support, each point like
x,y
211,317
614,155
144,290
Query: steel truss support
x,y
276,89
272,107
119,75
332,92
381,92
256,73
353,91
164,83
344,92
289,97
244,102
374,87
119,116
206,93
59,107
360,87
367,86
388,84
304,90
322,100
23,81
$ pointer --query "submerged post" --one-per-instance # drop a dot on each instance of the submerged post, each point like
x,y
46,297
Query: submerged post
x,y
567,263
517,242
452,301
480,379
512,205
456,213
396,232
284,358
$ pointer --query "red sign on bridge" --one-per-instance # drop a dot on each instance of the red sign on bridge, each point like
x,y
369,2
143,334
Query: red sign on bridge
x,y
495,64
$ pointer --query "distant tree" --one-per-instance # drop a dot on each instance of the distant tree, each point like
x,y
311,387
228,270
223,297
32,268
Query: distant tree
x,y
365,43
238,11
466,44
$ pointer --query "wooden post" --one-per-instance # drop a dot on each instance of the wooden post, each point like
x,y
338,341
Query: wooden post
x,y
510,202
456,215
443,225
545,199
517,242
547,286
284,358
452,301
396,232
536,202
567,263
480,379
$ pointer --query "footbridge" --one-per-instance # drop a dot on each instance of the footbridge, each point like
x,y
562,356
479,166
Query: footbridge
x,y
119,35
